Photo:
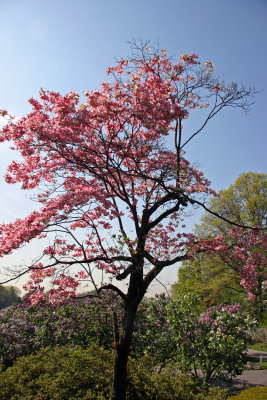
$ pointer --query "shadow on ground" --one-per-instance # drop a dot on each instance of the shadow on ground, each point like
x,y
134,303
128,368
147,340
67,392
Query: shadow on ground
x,y
249,378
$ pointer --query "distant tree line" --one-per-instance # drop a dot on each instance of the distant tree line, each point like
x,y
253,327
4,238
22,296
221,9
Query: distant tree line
x,y
9,295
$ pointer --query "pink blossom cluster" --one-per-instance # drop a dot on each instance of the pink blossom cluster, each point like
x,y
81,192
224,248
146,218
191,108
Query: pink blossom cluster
x,y
63,286
242,249
102,163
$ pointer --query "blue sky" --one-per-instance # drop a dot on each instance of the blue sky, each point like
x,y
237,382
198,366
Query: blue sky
x,y
67,45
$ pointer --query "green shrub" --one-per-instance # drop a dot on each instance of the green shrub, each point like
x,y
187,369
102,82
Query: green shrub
x,y
61,373
77,374
147,385
256,393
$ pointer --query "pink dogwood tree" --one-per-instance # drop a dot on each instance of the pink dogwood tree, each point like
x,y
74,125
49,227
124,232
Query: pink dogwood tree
x,y
110,175
245,251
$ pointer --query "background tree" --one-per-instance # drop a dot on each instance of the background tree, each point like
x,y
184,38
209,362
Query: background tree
x,y
244,202
211,279
105,167
216,279
9,295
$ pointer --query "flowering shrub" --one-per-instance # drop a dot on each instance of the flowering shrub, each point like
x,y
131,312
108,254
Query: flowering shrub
x,y
153,333
213,342
17,334
25,329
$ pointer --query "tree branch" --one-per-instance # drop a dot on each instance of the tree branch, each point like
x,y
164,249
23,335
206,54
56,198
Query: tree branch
x,y
114,288
192,201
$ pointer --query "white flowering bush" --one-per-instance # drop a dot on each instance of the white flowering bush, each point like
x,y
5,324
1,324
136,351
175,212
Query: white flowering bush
x,y
212,344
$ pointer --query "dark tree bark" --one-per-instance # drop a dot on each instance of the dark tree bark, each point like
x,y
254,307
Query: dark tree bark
x,y
134,296
122,350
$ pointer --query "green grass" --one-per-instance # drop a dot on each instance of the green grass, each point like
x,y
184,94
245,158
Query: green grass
x,y
263,365
258,346
256,360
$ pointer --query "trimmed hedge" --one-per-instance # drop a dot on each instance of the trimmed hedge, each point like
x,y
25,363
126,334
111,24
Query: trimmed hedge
x,y
77,374
256,393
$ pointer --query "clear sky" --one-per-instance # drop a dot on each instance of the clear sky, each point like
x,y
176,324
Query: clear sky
x,y
65,45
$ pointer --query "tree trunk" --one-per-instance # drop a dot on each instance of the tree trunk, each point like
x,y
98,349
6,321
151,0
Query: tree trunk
x,y
122,350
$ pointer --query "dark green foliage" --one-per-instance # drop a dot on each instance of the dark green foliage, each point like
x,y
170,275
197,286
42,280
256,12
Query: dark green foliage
x,y
166,385
153,333
9,295
256,393
66,373
61,373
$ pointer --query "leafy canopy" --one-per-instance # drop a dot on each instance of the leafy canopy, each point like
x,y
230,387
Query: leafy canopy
x,y
224,277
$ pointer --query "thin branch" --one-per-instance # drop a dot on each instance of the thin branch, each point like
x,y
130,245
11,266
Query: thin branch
x,y
114,288
211,114
16,277
223,218
165,287
87,261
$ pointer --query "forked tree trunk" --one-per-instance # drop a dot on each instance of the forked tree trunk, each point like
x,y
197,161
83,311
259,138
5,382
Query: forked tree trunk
x,y
122,350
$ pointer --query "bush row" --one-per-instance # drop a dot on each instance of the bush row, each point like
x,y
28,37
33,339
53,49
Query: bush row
x,y
212,342
25,329
67,373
